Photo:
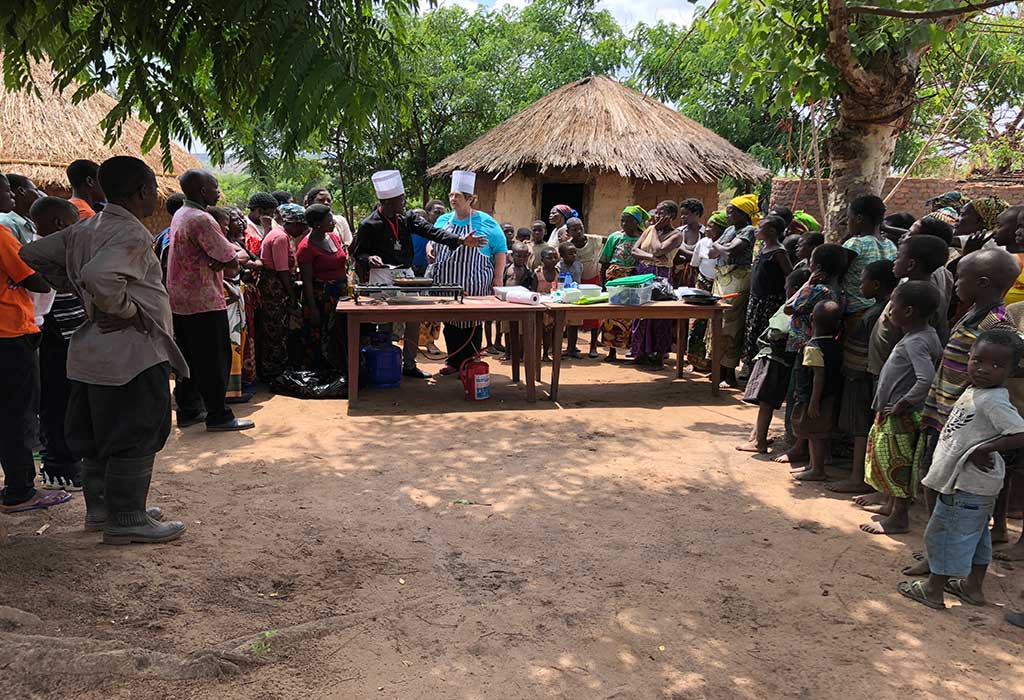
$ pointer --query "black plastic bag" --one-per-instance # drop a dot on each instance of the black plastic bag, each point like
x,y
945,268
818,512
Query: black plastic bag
x,y
661,290
310,385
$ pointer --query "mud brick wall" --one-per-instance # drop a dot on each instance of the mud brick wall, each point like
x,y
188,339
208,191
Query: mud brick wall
x,y
910,196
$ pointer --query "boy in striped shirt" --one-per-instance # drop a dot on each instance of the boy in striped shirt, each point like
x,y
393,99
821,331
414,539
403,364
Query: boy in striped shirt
x,y
61,469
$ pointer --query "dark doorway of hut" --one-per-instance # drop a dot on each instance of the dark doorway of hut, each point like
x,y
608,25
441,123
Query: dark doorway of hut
x,y
555,193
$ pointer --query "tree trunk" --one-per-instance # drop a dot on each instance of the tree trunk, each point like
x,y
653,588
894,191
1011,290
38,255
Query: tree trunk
x,y
859,157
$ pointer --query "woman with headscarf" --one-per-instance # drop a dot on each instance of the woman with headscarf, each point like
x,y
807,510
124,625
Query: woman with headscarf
x,y
696,348
280,313
560,213
950,200
803,223
977,221
733,254
617,260
655,254
320,195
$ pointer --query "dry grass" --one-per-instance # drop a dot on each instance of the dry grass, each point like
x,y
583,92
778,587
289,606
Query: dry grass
x,y
41,135
597,123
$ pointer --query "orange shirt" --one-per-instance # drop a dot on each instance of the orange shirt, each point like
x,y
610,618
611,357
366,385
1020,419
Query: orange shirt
x,y
84,210
17,316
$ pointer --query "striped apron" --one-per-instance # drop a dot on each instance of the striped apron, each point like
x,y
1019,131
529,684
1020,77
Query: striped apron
x,y
466,266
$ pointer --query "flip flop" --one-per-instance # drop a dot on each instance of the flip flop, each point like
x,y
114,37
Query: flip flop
x,y
39,501
593,355
912,590
955,586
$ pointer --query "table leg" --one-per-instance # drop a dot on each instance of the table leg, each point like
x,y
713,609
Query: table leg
x,y
353,358
538,339
530,357
556,352
682,331
513,348
716,353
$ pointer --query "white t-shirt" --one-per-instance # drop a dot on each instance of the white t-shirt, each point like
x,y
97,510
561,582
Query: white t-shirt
x,y
978,416
701,260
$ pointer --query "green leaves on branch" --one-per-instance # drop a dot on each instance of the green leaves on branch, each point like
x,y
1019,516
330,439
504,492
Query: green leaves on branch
x,y
205,68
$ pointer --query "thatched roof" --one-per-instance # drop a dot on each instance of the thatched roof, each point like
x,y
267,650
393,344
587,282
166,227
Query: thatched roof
x,y
41,136
599,124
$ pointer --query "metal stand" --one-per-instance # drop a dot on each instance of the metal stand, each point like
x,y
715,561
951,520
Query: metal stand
x,y
453,291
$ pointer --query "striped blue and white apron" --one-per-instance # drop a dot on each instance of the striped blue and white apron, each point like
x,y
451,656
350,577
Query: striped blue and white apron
x,y
466,266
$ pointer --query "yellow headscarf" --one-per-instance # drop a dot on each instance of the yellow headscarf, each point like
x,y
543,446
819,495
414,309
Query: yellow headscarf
x,y
747,203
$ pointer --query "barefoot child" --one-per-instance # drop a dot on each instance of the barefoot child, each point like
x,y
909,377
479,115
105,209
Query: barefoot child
x,y
547,278
769,378
967,472
767,283
818,383
827,265
517,273
895,446
855,415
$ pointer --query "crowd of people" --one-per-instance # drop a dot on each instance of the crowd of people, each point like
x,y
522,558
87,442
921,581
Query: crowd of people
x,y
905,336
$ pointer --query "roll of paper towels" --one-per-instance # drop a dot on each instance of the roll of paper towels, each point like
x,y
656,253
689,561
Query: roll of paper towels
x,y
531,298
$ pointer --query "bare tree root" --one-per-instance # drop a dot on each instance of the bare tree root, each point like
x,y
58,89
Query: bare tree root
x,y
27,653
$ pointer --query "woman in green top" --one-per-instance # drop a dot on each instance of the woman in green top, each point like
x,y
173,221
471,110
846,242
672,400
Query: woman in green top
x,y
617,261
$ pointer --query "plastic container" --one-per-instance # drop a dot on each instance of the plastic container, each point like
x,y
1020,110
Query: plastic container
x,y
567,296
383,362
630,296
632,280
590,290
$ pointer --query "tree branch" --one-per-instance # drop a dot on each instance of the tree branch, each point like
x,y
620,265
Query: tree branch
x,y
969,8
838,49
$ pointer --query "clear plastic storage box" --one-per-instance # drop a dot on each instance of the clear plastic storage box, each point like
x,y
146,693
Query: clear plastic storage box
x,y
630,296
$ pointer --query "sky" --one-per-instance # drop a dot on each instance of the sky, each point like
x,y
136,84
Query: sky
x,y
627,12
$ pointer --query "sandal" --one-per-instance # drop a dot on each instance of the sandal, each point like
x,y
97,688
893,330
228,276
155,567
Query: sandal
x,y
913,590
42,499
593,355
955,586
448,370
434,353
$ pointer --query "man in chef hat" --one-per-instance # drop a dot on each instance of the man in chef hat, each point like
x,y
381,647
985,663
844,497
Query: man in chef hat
x,y
383,248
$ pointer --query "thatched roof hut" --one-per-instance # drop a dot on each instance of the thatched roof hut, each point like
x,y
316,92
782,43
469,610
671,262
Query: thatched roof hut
x,y
41,134
598,146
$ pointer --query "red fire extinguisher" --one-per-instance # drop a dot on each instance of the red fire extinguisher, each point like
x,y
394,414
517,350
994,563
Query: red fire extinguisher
x,y
476,378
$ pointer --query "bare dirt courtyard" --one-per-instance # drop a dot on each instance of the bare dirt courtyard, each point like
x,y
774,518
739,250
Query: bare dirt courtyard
x,y
612,546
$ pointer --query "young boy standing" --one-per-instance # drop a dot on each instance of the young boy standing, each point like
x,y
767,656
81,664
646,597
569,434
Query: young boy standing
x,y
818,382
967,472
61,468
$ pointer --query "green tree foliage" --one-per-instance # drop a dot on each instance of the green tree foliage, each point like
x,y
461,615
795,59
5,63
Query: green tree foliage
x,y
207,68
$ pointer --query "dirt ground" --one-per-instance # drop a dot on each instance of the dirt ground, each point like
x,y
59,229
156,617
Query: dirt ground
x,y
419,546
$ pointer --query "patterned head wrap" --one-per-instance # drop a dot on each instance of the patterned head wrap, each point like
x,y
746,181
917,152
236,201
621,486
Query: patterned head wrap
x,y
719,219
953,200
748,204
637,212
804,223
988,210
292,213
565,210
945,215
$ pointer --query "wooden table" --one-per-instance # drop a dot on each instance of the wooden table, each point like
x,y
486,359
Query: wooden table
x,y
672,310
472,309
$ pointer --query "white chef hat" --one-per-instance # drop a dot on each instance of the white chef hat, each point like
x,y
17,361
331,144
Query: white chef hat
x,y
388,184
464,181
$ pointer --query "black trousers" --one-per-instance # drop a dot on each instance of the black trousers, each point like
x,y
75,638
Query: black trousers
x,y
19,402
455,338
58,460
205,343
132,420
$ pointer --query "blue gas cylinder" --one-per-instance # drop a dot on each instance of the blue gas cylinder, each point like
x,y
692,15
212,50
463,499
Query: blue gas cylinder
x,y
383,362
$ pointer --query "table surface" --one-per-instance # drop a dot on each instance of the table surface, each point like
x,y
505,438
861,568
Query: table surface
x,y
658,308
471,305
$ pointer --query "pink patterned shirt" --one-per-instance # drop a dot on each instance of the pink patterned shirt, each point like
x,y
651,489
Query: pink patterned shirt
x,y
196,240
